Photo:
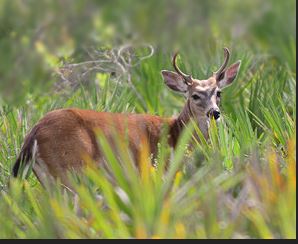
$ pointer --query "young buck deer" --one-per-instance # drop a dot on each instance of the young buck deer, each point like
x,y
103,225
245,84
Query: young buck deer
x,y
62,137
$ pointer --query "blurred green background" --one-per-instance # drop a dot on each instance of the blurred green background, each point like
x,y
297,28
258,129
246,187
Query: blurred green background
x,y
241,184
38,36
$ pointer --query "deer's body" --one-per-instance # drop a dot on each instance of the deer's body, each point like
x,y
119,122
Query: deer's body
x,y
65,138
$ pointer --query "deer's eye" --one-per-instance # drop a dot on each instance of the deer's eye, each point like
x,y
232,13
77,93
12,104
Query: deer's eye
x,y
218,94
195,97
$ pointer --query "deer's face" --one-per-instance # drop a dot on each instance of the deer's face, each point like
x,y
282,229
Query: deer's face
x,y
203,96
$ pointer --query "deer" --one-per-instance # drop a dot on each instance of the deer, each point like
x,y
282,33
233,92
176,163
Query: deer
x,y
59,140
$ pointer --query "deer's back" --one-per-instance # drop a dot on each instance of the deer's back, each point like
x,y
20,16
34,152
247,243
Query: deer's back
x,y
66,137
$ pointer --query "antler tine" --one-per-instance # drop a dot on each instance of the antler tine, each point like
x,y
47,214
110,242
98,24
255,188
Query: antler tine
x,y
187,78
224,65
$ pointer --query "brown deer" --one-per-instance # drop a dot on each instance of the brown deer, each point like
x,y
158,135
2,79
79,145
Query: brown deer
x,y
62,137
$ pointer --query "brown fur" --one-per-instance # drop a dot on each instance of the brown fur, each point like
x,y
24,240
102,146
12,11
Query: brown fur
x,y
65,136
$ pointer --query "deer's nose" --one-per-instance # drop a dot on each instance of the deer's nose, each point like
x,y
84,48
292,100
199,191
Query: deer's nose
x,y
215,113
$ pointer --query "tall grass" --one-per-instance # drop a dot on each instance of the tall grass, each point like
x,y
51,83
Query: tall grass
x,y
239,184
235,186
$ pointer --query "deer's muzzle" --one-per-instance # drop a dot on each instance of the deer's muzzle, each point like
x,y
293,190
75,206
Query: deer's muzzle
x,y
215,113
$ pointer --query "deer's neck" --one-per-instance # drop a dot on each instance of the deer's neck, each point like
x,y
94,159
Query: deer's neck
x,y
182,120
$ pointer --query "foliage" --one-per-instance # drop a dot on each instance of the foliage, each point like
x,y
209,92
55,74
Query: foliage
x,y
240,184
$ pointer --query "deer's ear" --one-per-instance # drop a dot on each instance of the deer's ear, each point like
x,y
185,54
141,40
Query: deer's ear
x,y
228,76
174,81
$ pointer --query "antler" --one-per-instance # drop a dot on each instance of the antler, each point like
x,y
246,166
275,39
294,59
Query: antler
x,y
224,65
187,78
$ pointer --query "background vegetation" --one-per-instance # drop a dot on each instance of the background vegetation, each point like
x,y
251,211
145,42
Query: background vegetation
x,y
241,184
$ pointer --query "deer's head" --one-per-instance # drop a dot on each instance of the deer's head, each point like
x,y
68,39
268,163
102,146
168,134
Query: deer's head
x,y
203,96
